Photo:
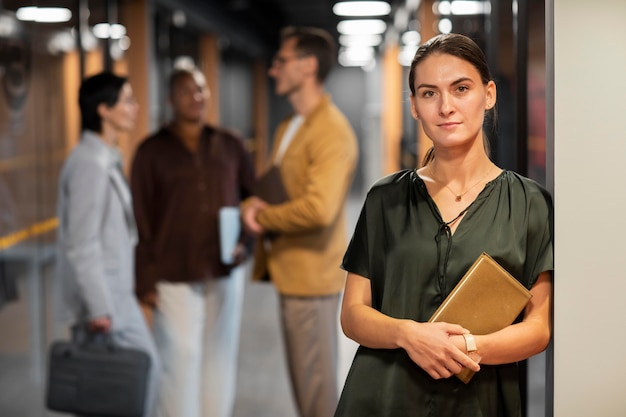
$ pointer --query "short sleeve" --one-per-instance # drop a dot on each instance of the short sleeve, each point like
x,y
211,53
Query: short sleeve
x,y
356,258
540,235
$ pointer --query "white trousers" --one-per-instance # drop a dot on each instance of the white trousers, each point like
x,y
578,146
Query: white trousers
x,y
196,327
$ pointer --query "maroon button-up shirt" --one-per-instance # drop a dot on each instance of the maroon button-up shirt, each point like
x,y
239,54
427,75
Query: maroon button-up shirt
x,y
177,195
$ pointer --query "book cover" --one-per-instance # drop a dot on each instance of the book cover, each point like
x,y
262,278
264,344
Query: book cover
x,y
485,300
269,187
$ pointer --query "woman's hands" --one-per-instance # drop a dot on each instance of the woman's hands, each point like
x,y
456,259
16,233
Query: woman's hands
x,y
437,348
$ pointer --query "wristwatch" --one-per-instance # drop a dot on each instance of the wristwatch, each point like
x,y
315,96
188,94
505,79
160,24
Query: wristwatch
x,y
470,345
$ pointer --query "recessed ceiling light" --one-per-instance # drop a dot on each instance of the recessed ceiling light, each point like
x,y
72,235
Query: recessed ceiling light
x,y
445,26
406,54
462,7
356,57
363,40
411,37
362,8
44,14
106,31
361,27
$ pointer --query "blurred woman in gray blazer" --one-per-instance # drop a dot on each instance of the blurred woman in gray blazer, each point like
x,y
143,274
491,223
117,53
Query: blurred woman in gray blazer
x,y
97,232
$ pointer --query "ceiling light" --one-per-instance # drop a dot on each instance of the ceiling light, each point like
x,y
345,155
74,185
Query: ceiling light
x,y
362,8
362,27
445,26
124,43
462,7
359,53
8,26
361,40
406,54
441,7
412,37
117,31
108,31
61,42
356,56
44,14
101,30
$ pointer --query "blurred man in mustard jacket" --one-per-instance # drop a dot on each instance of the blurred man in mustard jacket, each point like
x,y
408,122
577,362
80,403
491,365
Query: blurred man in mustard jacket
x,y
304,238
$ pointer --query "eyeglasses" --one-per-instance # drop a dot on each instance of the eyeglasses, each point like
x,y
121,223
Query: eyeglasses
x,y
279,61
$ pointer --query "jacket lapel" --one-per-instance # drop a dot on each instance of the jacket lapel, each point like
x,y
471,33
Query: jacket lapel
x,y
111,160
121,187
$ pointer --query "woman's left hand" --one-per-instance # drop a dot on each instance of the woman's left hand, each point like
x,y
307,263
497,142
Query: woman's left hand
x,y
435,348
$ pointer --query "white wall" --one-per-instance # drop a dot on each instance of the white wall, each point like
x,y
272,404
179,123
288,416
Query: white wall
x,y
590,208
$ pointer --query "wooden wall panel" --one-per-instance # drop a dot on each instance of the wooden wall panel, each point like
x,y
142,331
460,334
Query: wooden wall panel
x,y
136,16
209,65
392,109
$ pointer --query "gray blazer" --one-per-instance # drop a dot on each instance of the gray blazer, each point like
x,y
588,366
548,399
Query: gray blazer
x,y
96,235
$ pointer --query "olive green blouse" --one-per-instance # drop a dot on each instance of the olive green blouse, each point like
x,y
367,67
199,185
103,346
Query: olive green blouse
x,y
406,250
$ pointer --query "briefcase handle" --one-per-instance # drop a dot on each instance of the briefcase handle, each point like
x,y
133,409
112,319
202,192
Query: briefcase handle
x,y
81,335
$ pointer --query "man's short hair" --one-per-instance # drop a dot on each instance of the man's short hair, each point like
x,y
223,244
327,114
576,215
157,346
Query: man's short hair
x,y
316,42
181,73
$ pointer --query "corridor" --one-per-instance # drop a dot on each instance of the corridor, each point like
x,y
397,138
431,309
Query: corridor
x,y
262,386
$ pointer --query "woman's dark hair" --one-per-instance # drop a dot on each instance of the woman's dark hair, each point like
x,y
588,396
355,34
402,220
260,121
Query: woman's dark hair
x,y
102,88
316,42
461,47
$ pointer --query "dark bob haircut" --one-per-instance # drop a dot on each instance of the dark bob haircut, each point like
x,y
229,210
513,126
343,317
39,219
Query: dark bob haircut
x,y
102,88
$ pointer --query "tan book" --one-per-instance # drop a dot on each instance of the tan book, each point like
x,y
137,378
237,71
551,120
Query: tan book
x,y
487,299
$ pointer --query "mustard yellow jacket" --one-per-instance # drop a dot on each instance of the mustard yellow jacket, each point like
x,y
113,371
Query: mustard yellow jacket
x,y
317,170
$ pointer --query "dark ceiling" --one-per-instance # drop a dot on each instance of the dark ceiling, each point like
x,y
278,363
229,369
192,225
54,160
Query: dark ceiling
x,y
258,22
251,24
267,16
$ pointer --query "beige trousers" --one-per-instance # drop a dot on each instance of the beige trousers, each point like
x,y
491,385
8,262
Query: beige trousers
x,y
309,327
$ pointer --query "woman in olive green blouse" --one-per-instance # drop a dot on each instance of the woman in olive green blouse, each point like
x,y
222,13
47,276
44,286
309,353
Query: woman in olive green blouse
x,y
418,232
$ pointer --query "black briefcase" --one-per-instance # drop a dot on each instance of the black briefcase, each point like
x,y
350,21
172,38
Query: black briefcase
x,y
93,377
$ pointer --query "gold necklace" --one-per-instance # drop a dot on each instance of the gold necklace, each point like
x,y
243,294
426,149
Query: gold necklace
x,y
458,196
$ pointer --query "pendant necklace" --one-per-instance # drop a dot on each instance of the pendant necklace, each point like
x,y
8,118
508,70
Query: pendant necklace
x,y
458,196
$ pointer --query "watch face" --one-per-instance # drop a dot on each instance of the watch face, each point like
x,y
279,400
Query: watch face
x,y
474,356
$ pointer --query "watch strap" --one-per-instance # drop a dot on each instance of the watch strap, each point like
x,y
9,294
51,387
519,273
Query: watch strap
x,y
470,342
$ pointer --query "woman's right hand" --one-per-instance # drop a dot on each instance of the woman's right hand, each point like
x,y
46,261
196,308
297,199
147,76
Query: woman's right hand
x,y
429,345
99,325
